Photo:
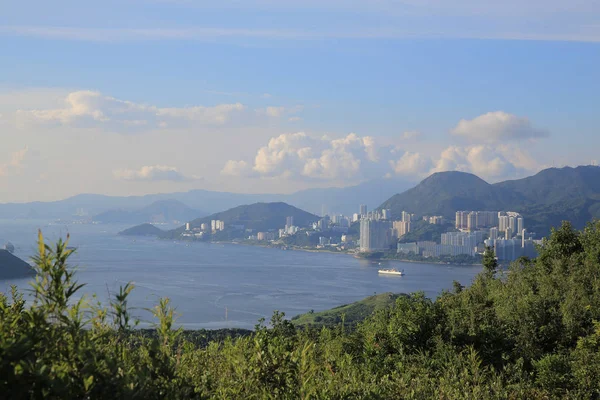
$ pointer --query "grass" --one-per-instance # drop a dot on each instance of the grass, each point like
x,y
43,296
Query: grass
x,y
350,313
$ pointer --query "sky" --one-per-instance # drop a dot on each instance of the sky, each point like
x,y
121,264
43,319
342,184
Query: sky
x,y
258,96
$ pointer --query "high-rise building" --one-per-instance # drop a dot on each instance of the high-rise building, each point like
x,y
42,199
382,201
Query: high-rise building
x,y
375,235
405,216
507,233
512,224
187,226
363,210
387,214
520,226
472,221
400,228
502,223
493,233
289,221
458,220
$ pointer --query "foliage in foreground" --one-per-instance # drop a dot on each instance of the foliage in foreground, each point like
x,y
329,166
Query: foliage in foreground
x,y
530,332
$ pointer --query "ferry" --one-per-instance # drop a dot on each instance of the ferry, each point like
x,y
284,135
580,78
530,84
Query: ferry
x,y
391,271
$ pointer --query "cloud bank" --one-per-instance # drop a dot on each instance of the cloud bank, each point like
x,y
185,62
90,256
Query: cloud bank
x,y
498,126
89,109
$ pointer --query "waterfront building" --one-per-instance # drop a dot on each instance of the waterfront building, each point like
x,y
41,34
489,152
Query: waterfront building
x,y
375,235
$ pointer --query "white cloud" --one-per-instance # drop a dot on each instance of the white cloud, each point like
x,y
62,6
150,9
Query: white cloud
x,y
489,162
412,164
88,108
410,135
151,173
299,155
497,126
15,162
294,119
235,168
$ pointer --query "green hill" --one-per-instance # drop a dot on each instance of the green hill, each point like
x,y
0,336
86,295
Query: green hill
x,y
353,313
142,230
258,217
544,199
12,267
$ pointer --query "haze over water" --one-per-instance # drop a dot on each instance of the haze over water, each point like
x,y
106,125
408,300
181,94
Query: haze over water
x,y
208,283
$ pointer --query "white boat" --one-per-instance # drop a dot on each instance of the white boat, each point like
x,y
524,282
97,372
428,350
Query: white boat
x,y
391,271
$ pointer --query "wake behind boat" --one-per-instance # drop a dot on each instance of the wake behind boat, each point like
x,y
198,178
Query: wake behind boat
x,y
391,271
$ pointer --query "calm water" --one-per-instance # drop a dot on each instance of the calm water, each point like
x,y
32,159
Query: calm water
x,y
204,280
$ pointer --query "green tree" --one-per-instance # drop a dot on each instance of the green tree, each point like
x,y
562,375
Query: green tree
x,y
490,263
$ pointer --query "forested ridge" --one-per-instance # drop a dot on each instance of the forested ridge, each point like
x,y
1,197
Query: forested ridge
x,y
531,332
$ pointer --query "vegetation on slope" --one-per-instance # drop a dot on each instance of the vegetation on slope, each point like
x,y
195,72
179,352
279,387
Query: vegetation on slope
x,y
349,314
142,230
531,333
545,199
258,216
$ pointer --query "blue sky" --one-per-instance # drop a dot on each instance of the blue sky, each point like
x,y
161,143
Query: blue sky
x,y
136,97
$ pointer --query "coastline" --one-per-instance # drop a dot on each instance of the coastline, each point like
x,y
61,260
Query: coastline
x,y
347,253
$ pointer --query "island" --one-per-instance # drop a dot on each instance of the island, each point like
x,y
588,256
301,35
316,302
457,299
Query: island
x,y
142,230
12,267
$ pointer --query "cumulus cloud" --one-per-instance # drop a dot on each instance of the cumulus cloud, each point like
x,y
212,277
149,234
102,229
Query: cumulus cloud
x,y
411,164
302,156
497,126
151,173
489,162
89,108
15,162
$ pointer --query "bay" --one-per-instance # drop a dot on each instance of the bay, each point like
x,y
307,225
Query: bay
x,y
222,285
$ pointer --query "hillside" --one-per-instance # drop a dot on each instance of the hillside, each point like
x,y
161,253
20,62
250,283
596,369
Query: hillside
x,y
142,230
12,267
444,193
353,313
157,212
258,217
544,199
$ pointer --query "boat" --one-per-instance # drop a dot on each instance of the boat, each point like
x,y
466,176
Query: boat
x,y
391,271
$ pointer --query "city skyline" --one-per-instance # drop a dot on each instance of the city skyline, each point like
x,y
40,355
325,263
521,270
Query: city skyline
x,y
269,97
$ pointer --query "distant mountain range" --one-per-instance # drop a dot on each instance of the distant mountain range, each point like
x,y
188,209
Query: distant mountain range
x,y
137,209
544,199
158,212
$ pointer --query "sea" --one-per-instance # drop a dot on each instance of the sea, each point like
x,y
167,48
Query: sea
x,y
215,286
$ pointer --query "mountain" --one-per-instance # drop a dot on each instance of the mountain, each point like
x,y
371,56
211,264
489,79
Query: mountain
x,y
544,199
142,230
157,212
443,193
335,200
12,267
257,216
